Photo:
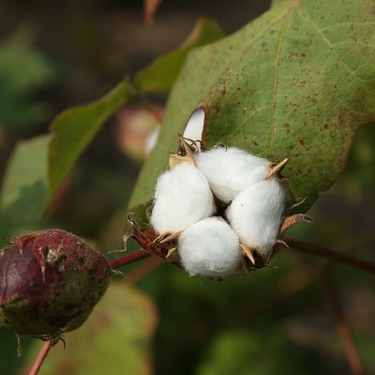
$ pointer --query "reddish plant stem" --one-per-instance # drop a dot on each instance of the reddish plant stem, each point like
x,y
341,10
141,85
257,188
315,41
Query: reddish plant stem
x,y
331,254
342,326
41,357
129,258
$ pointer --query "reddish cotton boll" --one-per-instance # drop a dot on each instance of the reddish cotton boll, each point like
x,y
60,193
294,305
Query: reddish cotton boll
x,y
182,197
230,170
255,214
50,281
210,248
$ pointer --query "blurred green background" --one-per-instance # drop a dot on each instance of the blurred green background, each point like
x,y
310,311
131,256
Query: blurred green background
x,y
55,55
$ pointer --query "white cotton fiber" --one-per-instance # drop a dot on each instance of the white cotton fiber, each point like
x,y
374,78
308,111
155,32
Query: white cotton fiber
x,y
230,170
210,248
182,197
255,214
194,127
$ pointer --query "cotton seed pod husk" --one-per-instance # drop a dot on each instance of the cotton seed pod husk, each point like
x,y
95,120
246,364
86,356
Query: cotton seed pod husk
x,y
147,239
50,281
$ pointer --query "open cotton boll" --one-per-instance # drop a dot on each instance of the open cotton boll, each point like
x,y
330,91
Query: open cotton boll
x,y
210,248
255,214
182,198
230,170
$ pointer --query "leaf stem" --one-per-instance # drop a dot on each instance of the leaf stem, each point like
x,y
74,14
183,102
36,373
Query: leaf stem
x,y
342,326
327,253
129,258
41,357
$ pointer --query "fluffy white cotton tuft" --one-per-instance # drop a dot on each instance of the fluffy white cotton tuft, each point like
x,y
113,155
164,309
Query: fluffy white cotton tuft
x,y
182,198
230,170
210,248
255,214
195,125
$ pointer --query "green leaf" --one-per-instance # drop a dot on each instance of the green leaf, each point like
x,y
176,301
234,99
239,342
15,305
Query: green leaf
x,y
247,352
231,354
23,70
114,340
297,82
24,190
73,130
161,74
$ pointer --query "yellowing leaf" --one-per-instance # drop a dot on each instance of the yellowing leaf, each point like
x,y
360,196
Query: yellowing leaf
x,y
114,340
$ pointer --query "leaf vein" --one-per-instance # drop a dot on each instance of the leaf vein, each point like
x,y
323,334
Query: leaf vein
x,y
250,116
276,84
337,25
329,43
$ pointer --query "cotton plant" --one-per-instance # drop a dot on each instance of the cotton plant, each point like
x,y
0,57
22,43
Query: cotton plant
x,y
217,212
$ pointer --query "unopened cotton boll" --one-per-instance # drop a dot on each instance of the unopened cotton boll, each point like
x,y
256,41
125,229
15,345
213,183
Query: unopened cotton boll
x,y
230,170
210,248
182,197
255,214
